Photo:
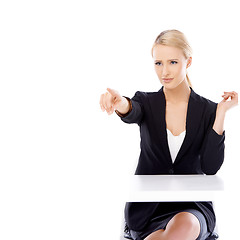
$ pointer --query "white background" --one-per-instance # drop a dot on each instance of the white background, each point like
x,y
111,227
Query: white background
x,y
64,163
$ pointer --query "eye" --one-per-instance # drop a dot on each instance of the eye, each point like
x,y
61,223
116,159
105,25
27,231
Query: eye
x,y
174,62
158,63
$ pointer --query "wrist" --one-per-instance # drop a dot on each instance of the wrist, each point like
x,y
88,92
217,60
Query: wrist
x,y
221,111
125,108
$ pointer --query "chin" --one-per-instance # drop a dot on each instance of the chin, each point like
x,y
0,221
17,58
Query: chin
x,y
169,85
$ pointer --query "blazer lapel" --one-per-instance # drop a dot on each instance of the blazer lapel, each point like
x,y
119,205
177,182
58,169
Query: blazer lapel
x,y
194,116
158,107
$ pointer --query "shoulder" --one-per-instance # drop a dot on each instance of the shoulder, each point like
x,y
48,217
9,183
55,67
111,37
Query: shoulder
x,y
144,96
209,105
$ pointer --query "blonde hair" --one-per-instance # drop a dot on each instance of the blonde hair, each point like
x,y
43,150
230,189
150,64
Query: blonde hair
x,y
175,38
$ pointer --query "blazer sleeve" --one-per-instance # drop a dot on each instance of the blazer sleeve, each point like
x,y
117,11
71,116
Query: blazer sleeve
x,y
212,151
137,112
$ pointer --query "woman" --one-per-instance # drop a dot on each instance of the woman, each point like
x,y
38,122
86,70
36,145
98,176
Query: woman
x,y
181,133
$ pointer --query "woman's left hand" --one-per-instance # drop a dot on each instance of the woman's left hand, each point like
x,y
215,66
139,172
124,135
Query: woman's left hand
x,y
230,99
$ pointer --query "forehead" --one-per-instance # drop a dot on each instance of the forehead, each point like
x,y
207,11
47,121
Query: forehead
x,y
162,52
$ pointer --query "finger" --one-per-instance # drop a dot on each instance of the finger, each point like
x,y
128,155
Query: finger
x,y
101,102
225,96
235,94
110,111
104,102
230,97
114,93
230,93
109,101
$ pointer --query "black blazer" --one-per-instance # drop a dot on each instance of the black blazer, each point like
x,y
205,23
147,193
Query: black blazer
x,y
202,150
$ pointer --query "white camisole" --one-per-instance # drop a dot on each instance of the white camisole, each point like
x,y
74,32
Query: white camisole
x,y
174,143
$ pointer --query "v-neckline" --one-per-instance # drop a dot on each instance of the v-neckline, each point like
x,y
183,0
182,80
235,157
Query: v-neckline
x,y
186,120
186,124
176,135
193,119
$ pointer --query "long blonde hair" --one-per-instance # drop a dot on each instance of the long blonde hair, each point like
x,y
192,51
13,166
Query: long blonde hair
x,y
175,38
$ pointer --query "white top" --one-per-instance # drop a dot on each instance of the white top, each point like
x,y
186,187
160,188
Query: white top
x,y
174,143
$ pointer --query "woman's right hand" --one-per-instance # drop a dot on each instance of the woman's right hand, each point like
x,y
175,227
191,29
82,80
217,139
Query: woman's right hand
x,y
112,100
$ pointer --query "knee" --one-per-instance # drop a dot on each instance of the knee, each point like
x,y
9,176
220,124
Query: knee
x,y
183,226
157,235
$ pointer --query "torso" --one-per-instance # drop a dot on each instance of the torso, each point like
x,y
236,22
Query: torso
x,y
176,117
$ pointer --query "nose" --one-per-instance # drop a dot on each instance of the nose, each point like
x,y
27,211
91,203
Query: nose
x,y
165,71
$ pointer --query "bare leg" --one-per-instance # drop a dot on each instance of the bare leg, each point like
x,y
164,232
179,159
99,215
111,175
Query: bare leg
x,y
183,226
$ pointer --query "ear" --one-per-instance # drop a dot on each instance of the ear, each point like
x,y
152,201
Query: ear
x,y
189,62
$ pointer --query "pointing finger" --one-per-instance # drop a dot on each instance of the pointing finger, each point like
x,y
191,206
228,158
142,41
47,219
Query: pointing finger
x,y
113,92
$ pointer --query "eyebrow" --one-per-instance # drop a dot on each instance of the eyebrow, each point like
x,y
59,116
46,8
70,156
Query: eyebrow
x,y
168,60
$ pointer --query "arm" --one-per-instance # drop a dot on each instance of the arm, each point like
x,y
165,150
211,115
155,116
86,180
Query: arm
x,y
222,108
218,125
212,152
136,110
130,110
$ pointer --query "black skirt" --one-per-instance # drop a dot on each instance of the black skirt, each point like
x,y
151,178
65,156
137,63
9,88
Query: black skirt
x,y
140,215
161,223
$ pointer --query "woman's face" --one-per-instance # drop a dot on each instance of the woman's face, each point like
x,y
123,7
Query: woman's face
x,y
170,65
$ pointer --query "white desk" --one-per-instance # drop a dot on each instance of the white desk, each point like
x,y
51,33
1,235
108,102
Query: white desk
x,y
150,188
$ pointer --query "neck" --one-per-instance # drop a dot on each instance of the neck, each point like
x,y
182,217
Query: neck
x,y
179,94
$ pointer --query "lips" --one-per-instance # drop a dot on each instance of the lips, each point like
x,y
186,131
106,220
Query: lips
x,y
167,79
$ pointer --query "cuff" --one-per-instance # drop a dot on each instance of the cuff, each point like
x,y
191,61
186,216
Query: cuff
x,y
220,135
216,138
